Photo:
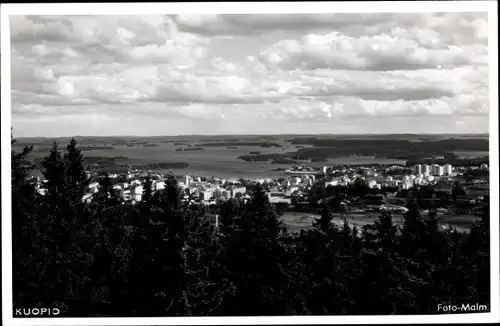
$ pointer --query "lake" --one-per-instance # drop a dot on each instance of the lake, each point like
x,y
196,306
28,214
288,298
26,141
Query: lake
x,y
222,161
219,161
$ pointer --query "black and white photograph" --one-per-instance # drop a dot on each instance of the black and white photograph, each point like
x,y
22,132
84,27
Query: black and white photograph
x,y
173,162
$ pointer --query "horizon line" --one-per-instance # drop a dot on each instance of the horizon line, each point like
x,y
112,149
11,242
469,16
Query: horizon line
x,y
263,134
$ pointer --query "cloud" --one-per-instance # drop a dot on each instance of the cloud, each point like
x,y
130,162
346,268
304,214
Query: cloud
x,y
381,52
251,71
462,28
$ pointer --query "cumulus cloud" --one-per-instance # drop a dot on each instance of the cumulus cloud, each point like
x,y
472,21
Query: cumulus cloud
x,y
381,52
278,70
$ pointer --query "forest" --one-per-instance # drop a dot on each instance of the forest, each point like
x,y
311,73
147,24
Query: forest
x,y
415,151
161,257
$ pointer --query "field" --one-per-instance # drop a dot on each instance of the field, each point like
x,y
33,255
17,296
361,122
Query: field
x,y
297,221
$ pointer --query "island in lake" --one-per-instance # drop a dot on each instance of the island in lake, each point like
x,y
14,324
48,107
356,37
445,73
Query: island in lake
x,y
239,144
190,149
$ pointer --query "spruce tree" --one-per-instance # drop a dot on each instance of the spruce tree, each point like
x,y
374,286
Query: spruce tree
x,y
256,259
324,223
76,178
385,230
27,248
54,173
148,189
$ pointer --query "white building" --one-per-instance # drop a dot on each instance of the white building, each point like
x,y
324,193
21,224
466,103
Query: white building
x,y
436,170
419,181
447,169
135,182
159,185
207,193
372,183
331,183
418,169
405,185
93,187
136,193
187,180
392,183
237,190
426,169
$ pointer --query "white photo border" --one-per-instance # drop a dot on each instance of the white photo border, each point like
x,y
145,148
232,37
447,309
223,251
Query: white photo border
x,y
247,8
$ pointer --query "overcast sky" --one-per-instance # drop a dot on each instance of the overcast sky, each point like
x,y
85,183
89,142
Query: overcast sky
x,y
235,74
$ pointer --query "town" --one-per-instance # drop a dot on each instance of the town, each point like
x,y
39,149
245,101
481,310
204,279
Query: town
x,y
380,187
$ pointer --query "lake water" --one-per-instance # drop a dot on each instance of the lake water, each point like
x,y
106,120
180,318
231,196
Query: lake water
x,y
222,161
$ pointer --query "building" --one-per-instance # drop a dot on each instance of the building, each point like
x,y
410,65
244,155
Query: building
x,y
392,183
436,170
93,187
159,185
237,190
136,193
426,170
208,193
418,169
405,185
447,169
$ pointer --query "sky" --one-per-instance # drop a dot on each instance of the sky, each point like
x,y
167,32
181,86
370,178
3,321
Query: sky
x,y
255,74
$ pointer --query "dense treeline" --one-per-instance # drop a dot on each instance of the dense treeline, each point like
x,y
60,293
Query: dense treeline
x,y
163,258
389,148
450,158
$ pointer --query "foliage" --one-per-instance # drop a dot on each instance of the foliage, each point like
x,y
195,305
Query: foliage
x,y
106,257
